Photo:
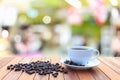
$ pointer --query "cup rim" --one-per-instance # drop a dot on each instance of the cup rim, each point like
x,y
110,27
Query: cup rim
x,y
77,46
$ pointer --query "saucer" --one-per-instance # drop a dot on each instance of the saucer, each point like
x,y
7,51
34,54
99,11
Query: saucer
x,y
92,63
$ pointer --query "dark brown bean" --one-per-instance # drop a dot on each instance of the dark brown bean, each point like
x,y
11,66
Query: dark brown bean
x,y
40,67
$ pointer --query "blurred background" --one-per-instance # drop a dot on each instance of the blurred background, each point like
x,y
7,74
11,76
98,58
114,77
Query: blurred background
x,y
50,27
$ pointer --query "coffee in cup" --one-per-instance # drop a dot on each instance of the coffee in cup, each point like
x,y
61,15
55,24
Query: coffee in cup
x,y
82,54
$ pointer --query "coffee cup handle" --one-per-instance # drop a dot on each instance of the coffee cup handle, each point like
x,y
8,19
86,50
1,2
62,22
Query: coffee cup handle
x,y
97,53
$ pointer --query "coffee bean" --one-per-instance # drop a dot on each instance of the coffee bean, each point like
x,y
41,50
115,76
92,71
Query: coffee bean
x,y
30,72
40,67
65,71
23,70
55,74
72,63
11,65
17,69
57,64
12,68
8,67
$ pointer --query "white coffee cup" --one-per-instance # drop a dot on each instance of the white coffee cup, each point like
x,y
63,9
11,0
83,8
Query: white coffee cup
x,y
82,54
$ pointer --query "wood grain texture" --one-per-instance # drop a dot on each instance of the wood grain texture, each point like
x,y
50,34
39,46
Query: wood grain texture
x,y
108,71
60,75
98,74
4,71
84,75
72,75
118,58
14,75
111,64
4,61
42,77
114,61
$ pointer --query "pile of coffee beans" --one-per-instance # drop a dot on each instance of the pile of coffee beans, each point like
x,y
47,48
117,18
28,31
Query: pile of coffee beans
x,y
72,63
40,67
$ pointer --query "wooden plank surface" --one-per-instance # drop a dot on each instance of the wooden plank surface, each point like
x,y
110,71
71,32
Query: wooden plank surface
x,y
108,71
98,74
118,58
84,75
4,61
111,64
72,75
114,61
4,71
14,75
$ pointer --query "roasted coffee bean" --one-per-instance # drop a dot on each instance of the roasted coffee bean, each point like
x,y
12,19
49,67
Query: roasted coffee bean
x,y
72,63
11,65
17,69
55,74
8,67
62,68
40,67
65,71
57,64
30,72
41,72
23,70
12,68
44,73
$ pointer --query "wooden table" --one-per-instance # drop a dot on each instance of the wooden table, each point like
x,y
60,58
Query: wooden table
x,y
109,69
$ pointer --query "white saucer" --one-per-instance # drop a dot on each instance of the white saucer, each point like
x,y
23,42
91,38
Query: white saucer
x,y
92,63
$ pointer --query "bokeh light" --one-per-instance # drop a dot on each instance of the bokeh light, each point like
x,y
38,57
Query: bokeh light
x,y
46,19
5,33
32,13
